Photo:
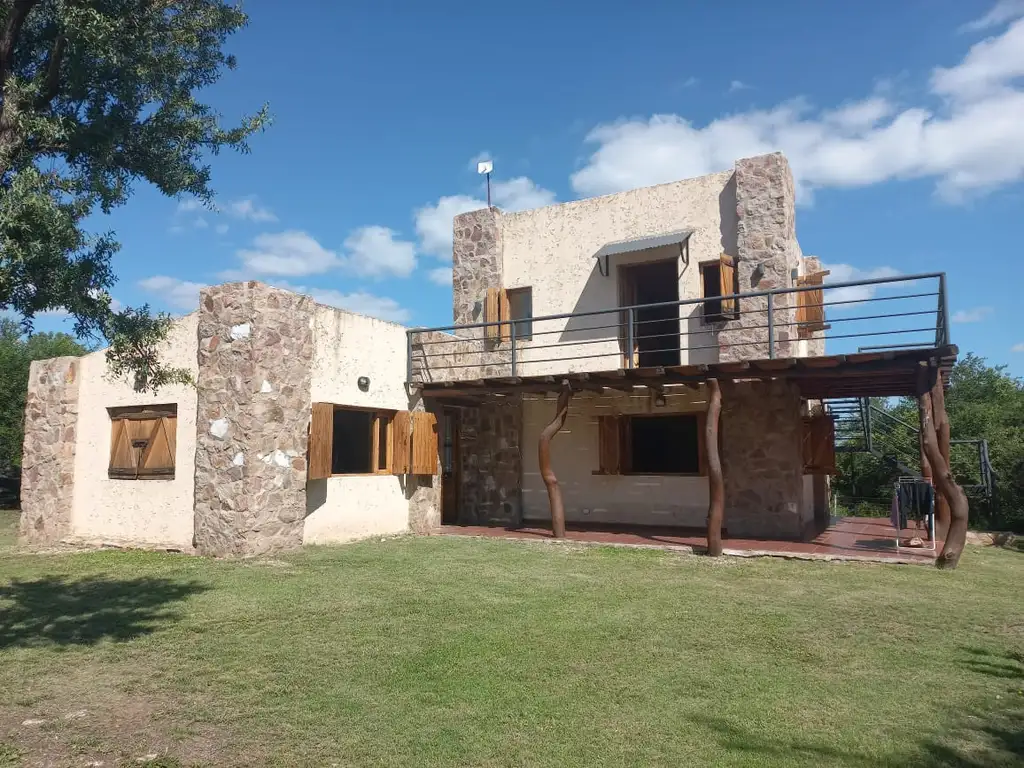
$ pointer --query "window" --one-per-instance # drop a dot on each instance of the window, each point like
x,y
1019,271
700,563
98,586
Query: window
x,y
520,305
143,442
358,441
718,281
651,445
502,305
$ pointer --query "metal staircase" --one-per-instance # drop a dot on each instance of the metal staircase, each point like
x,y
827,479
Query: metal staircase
x,y
864,425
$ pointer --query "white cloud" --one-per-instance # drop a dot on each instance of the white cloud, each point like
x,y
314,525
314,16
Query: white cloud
x,y
973,315
221,229
973,144
374,252
434,223
292,253
360,302
1000,13
190,204
520,194
1017,347
845,273
737,85
690,82
441,276
180,294
249,210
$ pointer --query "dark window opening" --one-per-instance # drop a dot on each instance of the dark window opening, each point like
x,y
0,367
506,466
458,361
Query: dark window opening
x,y
711,277
664,445
352,446
656,339
520,304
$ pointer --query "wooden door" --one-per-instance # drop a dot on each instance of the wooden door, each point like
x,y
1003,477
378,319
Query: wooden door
x,y
451,475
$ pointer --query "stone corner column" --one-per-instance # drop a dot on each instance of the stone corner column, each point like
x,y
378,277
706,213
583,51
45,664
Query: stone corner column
x,y
254,384
48,458
476,262
767,253
424,492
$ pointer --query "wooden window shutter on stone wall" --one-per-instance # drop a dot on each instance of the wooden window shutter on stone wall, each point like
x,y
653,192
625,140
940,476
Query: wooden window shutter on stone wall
x,y
321,441
609,445
143,444
504,314
810,305
819,445
424,443
401,444
729,286
492,314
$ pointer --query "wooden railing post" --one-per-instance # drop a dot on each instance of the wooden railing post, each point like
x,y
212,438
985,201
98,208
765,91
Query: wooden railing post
x,y
716,482
544,460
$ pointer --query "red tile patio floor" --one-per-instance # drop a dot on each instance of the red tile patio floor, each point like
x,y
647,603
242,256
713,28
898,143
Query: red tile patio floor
x,y
847,538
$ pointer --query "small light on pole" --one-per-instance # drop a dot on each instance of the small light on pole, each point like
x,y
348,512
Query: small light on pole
x,y
485,167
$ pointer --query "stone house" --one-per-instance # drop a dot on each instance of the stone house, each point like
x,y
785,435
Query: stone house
x,y
310,424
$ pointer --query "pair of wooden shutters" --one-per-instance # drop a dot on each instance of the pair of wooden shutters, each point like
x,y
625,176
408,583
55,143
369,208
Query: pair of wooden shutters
x,y
410,442
810,305
497,309
819,438
143,444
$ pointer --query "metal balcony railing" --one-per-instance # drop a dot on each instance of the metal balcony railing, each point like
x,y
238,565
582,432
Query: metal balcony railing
x,y
904,312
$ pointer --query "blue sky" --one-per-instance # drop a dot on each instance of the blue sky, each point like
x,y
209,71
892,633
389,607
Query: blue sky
x,y
903,122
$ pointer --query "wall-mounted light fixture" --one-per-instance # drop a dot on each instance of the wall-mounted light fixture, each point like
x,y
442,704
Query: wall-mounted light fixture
x,y
363,383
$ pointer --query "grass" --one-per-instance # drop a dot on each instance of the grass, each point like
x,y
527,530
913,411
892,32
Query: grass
x,y
443,651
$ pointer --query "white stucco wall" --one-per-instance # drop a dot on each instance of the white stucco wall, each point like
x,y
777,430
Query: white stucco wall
x,y
151,512
552,250
345,347
636,499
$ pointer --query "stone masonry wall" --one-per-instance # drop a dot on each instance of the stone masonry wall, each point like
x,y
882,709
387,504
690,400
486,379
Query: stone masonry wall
x,y
48,460
491,463
255,366
476,264
762,458
767,252
424,491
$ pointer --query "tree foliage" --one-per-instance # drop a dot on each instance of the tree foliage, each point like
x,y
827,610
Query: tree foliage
x,y
95,96
17,352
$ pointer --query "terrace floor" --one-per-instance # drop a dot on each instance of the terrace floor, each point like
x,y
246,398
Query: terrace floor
x,y
846,538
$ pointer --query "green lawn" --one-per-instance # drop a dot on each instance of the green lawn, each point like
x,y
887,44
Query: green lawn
x,y
443,651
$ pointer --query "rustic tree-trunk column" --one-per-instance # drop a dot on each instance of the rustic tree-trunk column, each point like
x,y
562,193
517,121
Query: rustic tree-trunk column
x,y
544,459
716,482
941,421
956,536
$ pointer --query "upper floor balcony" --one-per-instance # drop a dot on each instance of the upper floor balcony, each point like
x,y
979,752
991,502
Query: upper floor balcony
x,y
812,325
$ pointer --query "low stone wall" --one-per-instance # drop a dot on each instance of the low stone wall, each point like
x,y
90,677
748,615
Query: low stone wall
x,y
48,460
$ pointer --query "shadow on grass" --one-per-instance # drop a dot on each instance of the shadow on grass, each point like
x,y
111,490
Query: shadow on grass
x,y
53,610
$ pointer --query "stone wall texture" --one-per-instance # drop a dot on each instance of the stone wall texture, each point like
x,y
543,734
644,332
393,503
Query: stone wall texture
x,y
491,463
476,264
48,460
255,365
762,458
767,253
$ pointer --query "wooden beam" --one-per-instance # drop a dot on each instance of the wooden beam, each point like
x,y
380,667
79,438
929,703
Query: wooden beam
x,y
544,460
716,482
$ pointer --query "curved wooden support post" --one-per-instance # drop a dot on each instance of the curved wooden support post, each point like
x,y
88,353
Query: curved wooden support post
x,y
544,459
956,536
716,482
941,421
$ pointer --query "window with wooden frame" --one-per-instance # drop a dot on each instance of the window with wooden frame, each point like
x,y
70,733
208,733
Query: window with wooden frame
x,y
504,305
810,305
648,444
819,445
143,442
361,441
718,282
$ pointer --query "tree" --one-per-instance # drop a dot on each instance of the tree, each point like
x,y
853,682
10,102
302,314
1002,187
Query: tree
x,y
95,96
17,352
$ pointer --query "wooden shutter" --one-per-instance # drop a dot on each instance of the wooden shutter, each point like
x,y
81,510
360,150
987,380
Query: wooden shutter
x,y
504,314
609,445
123,458
492,314
157,458
810,309
424,443
819,445
321,441
401,443
143,443
730,286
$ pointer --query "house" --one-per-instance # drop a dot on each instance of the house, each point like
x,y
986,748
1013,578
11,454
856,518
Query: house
x,y
598,330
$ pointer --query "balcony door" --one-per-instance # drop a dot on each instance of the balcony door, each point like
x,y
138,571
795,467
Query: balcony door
x,y
656,339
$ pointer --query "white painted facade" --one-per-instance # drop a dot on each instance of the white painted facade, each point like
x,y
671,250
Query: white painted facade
x,y
152,512
347,346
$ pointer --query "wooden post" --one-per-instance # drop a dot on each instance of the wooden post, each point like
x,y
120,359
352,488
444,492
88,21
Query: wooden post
x,y
716,483
544,459
941,421
956,536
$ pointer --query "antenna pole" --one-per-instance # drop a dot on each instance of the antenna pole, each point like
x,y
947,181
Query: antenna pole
x,y
488,189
